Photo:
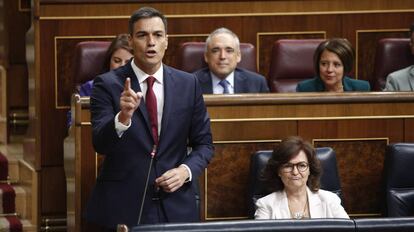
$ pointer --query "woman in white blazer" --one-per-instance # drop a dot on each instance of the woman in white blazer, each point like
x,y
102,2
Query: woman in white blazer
x,y
293,175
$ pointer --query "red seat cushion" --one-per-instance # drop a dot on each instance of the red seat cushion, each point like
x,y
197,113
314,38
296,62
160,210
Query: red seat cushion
x,y
391,55
291,62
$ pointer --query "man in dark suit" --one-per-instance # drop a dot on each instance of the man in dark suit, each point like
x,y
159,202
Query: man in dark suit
x,y
403,79
146,109
222,75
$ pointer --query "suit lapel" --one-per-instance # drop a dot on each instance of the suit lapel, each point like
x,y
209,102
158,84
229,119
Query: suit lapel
x,y
315,205
411,78
169,101
206,81
239,82
346,83
283,206
319,86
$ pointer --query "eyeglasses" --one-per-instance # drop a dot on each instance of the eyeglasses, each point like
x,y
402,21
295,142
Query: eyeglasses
x,y
301,166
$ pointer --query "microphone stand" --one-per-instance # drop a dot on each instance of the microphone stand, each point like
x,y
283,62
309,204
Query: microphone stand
x,y
154,150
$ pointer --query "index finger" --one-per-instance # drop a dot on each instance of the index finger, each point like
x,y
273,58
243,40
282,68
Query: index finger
x,y
127,84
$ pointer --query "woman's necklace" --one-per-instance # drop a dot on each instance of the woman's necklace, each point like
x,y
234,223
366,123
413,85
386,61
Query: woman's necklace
x,y
337,89
299,215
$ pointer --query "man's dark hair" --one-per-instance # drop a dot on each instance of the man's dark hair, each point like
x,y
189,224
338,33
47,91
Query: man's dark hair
x,y
145,13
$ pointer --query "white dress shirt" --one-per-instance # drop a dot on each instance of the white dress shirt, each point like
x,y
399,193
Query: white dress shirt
x,y
217,88
158,89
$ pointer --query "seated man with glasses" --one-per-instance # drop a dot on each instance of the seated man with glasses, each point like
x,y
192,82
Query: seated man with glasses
x,y
293,175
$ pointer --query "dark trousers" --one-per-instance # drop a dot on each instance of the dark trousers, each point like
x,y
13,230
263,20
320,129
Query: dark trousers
x,y
154,211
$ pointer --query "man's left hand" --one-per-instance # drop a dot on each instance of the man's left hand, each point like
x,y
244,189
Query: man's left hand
x,y
172,179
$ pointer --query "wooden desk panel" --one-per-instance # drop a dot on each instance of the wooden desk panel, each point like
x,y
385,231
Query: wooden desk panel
x,y
357,125
360,164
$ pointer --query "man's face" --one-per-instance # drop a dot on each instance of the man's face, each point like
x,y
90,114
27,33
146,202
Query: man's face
x,y
149,42
222,55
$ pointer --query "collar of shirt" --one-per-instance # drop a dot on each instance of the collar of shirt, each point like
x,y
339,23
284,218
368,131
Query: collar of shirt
x,y
217,88
142,76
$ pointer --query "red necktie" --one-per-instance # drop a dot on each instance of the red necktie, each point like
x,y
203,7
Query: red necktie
x,y
151,102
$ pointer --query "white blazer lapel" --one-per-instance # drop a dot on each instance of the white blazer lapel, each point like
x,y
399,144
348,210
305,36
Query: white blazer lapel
x,y
315,205
283,206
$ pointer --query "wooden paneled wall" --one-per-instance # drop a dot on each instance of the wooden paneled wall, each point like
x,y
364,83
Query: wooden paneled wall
x,y
59,24
14,22
358,126
3,106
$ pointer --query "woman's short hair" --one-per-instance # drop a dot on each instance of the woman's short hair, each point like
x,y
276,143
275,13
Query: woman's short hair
x,y
282,154
341,47
120,41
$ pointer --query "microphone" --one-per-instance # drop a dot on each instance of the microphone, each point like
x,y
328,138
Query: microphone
x,y
153,152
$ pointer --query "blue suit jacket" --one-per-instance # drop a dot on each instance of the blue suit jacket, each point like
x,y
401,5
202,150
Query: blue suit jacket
x,y
116,197
316,85
245,81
